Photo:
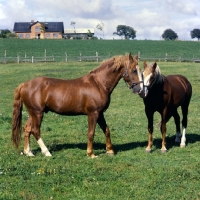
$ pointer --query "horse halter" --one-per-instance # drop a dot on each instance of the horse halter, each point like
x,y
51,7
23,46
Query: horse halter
x,y
148,86
126,74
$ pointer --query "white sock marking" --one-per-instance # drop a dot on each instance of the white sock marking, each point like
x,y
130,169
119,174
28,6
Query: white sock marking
x,y
44,149
183,138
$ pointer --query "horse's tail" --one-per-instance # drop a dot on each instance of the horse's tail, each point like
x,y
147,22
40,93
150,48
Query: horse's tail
x,y
17,117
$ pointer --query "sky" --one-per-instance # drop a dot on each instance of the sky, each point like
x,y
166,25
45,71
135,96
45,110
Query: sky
x,y
149,18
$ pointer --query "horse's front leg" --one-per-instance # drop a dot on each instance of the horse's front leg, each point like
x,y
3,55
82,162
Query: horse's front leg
x,y
150,130
178,129
166,115
163,130
102,123
92,121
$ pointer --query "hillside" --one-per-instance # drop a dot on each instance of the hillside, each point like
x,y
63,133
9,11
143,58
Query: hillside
x,y
147,48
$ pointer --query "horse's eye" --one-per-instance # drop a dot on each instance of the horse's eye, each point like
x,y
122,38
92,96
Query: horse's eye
x,y
151,78
134,71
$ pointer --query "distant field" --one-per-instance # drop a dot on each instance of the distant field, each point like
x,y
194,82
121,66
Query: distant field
x,y
147,48
70,174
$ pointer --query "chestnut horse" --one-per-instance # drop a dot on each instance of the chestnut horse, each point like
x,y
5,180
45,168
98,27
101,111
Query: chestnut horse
x,y
88,95
165,94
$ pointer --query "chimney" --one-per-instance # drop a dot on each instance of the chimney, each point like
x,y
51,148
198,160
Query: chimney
x,y
32,20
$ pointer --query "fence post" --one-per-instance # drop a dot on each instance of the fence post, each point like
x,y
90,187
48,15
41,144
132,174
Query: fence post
x,y
32,59
166,57
138,55
80,57
65,57
97,56
45,53
5,57
18,59
25,56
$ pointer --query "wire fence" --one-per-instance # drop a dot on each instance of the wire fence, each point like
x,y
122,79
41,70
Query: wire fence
x,y
92,58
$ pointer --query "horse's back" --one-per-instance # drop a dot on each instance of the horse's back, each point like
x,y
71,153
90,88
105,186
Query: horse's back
x,y
76,96
180,86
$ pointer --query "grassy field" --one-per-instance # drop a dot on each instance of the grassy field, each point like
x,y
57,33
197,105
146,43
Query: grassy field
x,y
147,48
70,174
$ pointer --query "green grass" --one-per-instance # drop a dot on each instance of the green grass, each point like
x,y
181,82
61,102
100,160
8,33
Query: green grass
x,y
70,174
147,48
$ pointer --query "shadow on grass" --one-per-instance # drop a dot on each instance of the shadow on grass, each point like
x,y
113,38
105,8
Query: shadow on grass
x,y
191,138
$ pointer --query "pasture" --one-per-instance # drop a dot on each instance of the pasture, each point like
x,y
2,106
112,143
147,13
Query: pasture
x,y
70,174
186,50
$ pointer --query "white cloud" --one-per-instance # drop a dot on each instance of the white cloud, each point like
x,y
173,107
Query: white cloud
x,y
185,7
148,17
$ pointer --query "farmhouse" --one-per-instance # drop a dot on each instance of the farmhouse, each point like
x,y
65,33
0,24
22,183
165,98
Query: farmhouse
x,y
39,30
78,33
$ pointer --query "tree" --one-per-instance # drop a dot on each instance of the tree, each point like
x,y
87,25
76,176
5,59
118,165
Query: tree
x,y
43,30
126,31
100,27
169,34
195,33
89,34
5,33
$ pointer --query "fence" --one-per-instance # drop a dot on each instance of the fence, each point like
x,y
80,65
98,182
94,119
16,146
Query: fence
x,y
92,58
64,58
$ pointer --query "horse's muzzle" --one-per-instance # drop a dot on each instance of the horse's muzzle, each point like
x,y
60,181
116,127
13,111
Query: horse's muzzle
x,y
136,89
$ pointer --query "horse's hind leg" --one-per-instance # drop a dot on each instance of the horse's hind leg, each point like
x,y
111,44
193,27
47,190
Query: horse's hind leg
x,y
27,132
184,108
37,119
33,126
102,123
177,123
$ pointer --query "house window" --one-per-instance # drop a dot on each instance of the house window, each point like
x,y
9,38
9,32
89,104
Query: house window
x,y
47,35
27,35
37,29
55,35
20,35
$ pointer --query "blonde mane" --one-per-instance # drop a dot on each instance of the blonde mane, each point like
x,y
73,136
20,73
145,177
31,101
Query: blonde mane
x,y
115,62
158,72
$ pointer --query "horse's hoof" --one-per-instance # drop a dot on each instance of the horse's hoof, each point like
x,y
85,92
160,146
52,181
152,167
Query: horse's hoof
x,y
46,153
177,140
92,156
29,153
110,154
163,150
182,145
148,150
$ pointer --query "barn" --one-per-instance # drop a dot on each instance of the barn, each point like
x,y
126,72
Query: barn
x,y
78,33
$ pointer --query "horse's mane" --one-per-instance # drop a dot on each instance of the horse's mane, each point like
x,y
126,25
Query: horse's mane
x,y
158,75
115,62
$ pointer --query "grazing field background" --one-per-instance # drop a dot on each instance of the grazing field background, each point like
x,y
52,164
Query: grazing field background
x,y
69,173
175,50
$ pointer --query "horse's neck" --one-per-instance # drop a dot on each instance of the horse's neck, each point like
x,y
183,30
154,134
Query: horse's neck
x,y
108,79
157,85
159,79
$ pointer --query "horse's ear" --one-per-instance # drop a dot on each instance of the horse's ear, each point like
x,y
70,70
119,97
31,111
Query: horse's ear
x,y
136,57
154,65
130,57
145,64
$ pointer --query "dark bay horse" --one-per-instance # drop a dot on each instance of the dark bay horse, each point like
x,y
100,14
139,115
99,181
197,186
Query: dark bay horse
x,y
88,95
165,94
